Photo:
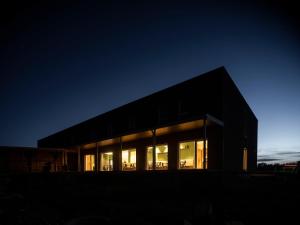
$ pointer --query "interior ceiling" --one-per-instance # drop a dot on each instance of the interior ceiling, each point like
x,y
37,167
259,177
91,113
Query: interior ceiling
x,y
148,133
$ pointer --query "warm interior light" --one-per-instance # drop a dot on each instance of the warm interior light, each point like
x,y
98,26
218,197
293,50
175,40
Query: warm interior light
x,y
89,162
132,156
161,157
200,155
245,159
191,155
106,161
187,155
129,159
125,156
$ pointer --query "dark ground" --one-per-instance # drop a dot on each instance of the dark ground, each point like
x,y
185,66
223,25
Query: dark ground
x,y
179,197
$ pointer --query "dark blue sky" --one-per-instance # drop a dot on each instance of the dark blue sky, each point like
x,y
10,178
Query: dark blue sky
x,y
62,63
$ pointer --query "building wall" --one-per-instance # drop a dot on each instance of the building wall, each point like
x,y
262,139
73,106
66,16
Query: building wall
x,y
240,128
172,140
213,93
18,159
193,98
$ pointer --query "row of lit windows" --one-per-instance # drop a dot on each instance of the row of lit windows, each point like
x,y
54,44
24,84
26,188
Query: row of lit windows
x,y
191,156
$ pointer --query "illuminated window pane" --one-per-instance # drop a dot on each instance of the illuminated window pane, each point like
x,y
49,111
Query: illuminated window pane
x,y
191,158
200,155
245,159
129,159
187,155
89,162
106,161
149,159
161,157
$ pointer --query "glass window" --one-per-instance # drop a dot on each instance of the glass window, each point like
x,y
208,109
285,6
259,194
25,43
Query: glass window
x,y
245,159
187,155
200,155
89,162
191,155
129,159
149,158
161,157
107,161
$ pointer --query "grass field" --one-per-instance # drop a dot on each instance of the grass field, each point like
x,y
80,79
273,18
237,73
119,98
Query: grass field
x,y
179,197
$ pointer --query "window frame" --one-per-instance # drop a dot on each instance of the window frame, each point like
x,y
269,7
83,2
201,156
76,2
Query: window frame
x,y
146,159
195,153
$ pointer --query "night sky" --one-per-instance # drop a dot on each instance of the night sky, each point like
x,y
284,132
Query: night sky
x,y
63,62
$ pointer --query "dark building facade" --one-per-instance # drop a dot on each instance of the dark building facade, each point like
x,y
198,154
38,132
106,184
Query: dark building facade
x,y
201,123
27,159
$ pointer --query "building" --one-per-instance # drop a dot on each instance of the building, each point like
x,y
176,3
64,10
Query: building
x,y
28,159
201,123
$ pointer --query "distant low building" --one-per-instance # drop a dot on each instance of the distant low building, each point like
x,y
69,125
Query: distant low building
x,y
26,159
202,123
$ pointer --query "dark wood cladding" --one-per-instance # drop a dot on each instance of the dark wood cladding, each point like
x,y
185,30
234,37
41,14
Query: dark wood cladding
x,y
213,93
197,96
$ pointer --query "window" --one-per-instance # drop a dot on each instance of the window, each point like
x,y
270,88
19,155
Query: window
x,y
129,160
187,155
89,162
107,161
245,159
161,157
191,155
200,155
149,158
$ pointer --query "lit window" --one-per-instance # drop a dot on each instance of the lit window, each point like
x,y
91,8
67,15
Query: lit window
x,y
129,159
191,155
245,159
107,161
200,155
89,162
187,155
149,158
161,157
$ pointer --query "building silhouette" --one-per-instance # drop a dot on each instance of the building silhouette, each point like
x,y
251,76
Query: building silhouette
x,y
201,123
